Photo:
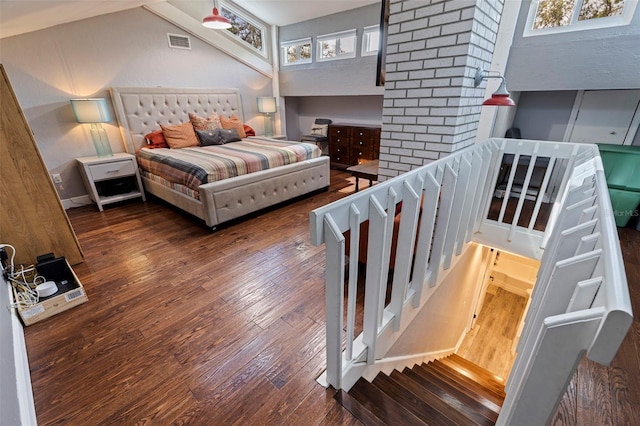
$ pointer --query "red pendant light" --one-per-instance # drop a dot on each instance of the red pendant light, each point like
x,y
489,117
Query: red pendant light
x,y
216,21
501,96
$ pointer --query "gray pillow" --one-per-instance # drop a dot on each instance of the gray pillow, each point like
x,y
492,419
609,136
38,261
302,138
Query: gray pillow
x,y
209,137
229,135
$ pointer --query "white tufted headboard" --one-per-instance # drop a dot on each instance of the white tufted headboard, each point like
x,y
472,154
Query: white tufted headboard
x,y
141,110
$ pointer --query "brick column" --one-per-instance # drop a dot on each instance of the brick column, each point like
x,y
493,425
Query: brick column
x,y
431,108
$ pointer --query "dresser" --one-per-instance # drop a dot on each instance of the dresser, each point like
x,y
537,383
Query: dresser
x,y
352,144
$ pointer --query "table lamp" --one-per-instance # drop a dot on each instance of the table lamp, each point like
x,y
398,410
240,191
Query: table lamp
x,y
267,106
94,111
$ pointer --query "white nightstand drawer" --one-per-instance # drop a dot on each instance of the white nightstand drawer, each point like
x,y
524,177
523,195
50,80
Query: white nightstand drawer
x,y
112,170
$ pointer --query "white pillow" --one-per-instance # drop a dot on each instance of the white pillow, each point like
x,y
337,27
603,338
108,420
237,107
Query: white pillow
x,y
320,129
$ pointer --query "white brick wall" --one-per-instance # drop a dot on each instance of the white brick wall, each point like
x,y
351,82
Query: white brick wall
x,y
431,108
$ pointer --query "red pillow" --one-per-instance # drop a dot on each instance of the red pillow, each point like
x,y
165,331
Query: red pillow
x,y
248,130
156,140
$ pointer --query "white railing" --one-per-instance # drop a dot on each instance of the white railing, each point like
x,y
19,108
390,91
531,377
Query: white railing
x,y
503,193
580,301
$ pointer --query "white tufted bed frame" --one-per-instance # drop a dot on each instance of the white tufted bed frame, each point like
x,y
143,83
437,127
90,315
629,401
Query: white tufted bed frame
x,y
141,110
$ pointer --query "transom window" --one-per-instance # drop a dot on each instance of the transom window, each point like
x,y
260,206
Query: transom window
x,y
296,51
553,16
370,40
340,45
245,29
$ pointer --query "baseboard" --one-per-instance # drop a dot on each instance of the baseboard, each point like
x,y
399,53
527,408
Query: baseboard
x,y
83,200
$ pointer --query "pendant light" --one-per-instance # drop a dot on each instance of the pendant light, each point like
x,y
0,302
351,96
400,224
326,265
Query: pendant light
x,y
216,21
501,96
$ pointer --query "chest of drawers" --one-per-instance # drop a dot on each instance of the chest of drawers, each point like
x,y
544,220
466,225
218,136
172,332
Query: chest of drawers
x,y
351,144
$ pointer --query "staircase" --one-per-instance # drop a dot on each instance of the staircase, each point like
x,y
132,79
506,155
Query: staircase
x,y
449,391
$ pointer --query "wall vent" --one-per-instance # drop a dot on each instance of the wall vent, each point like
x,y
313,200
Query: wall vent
x,y
178,41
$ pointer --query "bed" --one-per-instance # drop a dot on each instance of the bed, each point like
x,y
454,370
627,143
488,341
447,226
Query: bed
x,y
141,110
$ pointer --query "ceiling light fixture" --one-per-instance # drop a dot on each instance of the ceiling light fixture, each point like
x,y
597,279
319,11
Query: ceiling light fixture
x,y
216,21
501,96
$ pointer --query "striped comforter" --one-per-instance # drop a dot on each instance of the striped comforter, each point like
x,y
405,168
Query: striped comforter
x,y
194,166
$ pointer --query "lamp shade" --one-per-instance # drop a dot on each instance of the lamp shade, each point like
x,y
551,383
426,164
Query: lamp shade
x,y
267,104
498,99
501,96
93,110
216,21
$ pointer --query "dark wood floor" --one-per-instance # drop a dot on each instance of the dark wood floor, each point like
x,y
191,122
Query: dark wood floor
x,y
185,326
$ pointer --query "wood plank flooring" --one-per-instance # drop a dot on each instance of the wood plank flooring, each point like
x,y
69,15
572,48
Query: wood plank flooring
x,y
489,342
185,326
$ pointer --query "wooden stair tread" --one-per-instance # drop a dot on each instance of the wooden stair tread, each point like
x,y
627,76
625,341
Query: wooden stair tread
x,y
381,405
412,402
452,413
445,392
478,394
468,404
476,372
479,387
357,409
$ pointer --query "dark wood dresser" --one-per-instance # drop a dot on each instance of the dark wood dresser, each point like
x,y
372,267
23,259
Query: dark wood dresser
x,y
351,144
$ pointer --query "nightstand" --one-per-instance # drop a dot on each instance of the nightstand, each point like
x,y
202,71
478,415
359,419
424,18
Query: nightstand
x,y
111,179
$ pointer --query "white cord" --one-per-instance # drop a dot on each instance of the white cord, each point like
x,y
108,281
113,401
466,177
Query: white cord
x,y
25,292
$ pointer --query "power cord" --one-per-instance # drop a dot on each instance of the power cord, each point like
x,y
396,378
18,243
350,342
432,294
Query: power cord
x,y
24,280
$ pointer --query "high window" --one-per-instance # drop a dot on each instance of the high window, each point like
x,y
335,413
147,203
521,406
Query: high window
x,y
245,29
553,16
370,40
340,45
296,51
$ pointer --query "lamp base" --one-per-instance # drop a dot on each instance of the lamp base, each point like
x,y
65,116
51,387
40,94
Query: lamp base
x,y
100,141
268,125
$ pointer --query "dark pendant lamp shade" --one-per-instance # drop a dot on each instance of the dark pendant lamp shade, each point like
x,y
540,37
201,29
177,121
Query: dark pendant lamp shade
x,y
216,21
501,96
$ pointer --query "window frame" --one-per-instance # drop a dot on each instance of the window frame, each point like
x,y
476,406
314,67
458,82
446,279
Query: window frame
x,y
366,31
298,42
265,37
337,36
576,25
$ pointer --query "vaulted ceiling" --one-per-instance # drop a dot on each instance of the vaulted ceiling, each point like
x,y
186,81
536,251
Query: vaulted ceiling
x,y
22,16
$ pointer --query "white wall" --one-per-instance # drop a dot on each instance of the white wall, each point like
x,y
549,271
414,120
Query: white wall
x,y
605,58
354,76
544,115
444,318
84,58
340,109
16,398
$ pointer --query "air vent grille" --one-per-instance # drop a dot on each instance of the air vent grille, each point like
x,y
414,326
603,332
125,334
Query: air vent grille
x,y
178,41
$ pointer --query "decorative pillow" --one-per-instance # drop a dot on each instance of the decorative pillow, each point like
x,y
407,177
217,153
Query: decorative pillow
x,y
230,135
320,129
180,136
210,123
210,137
248,130
233,122
156,140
